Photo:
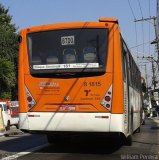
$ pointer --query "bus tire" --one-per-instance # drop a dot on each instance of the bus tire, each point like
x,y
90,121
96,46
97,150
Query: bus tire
x,y
128,140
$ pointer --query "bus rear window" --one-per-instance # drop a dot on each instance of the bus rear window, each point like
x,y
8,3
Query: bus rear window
x,y
69,50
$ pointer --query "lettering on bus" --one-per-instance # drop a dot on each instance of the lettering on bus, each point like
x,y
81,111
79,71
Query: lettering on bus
x,y
53,84
96,96
49,86
92,84
87,92
91,96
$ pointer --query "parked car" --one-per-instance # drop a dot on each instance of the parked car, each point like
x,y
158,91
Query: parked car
x,y
14,112
10,114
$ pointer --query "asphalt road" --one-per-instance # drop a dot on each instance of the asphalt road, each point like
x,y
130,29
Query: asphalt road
x,y
145,146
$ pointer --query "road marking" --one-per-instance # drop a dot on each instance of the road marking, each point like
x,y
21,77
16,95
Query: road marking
x,y
23,153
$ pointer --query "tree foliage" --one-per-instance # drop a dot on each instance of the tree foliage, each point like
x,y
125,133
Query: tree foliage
x,y
8,55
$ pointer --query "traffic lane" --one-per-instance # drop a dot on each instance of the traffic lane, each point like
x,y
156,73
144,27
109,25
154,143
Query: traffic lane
x,y
76,151
145,144
21,142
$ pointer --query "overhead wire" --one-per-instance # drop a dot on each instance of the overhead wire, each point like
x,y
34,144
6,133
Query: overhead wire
x,y
143,33
131,9
135,26
149,24
148,42
140,8
143,36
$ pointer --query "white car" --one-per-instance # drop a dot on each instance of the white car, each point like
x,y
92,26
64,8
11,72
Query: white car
x,y
7,116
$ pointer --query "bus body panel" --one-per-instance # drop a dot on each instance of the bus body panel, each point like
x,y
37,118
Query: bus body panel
x,y
85,93
23,59
52,121
73,122
118,94
135,104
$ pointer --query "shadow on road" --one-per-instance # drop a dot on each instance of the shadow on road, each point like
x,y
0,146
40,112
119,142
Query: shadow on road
x,y
155,127
81,145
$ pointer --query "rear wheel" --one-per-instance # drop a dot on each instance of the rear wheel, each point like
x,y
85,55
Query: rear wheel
x,y
128,140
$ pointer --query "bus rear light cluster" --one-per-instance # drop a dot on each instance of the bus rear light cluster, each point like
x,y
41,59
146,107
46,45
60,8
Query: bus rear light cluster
x,y
30,100
107,99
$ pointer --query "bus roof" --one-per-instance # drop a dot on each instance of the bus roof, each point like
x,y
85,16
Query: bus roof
x,y
46,26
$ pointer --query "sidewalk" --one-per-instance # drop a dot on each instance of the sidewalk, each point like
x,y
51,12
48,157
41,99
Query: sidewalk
x,y
13,131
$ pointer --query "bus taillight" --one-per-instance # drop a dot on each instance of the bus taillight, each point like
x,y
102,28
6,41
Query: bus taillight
x,y
107,100
30,100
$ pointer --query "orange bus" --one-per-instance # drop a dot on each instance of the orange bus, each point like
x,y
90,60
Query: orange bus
x,y
78,78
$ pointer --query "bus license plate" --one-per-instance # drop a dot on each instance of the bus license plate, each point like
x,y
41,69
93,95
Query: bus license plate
x,y
67,108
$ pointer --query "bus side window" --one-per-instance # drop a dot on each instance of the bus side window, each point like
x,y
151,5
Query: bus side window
x,y
124,68
124,60
69,55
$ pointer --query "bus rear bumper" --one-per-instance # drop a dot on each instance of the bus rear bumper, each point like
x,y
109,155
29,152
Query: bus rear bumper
x,y
71,122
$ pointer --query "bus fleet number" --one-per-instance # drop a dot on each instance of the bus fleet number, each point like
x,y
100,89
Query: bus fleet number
x,y
68,40
92,84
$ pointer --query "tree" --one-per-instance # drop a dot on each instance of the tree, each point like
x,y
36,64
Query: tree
x,y
8,55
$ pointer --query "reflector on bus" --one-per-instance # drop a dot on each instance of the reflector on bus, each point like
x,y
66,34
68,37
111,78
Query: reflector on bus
x,y
29,98
107,99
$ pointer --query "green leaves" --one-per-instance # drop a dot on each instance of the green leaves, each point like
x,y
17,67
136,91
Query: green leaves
x,y
8,55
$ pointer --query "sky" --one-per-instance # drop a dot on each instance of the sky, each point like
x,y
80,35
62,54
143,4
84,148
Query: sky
x,y
27,13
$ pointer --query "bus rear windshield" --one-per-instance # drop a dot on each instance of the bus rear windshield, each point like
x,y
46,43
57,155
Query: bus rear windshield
x,y
68,51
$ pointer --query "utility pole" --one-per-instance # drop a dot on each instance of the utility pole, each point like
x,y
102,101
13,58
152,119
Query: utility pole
x,y
154,92
152,60
156,41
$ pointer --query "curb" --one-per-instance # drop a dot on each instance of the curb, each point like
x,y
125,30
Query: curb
x,y
12,133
